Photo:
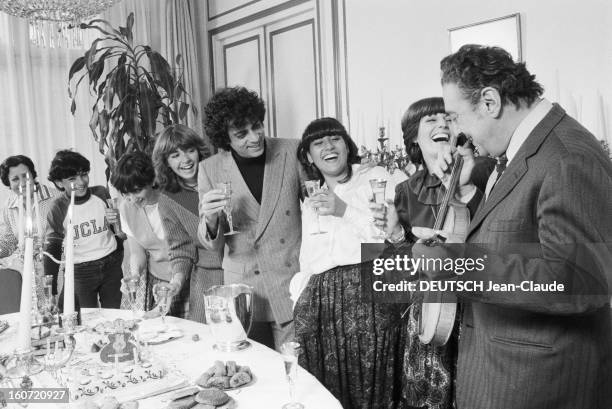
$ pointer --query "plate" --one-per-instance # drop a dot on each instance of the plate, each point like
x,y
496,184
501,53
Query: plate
x,y
156,338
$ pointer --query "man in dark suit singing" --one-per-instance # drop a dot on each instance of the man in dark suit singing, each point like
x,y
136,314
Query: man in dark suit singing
x,y
265,188
546,217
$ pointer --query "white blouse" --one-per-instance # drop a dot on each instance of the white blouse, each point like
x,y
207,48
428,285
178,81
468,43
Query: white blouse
x,y
341,245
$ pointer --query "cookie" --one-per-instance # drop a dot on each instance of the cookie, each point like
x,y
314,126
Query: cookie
x,y
239,379
220,382
109,402
231,368
230,404
212,396
203,379
184,392
219,369
183,403
246,369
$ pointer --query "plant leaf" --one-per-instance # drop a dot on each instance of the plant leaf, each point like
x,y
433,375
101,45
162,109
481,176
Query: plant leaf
x,y
104,123
129,24
73,106
93,122
78,65
183,110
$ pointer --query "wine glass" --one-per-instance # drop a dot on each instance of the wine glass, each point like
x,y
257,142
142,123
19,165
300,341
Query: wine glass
x,y
162,294
226,188
378,190
313,188
132,283
290,352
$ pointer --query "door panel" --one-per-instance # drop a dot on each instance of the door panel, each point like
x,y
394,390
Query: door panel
x,y
293,78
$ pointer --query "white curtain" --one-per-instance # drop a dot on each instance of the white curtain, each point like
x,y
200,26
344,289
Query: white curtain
x,y
35,117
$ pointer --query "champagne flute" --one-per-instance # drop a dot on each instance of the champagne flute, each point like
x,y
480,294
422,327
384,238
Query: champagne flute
x,y
312,189
226,187
378,190
51,307
132,283
113,204
162,294
290,352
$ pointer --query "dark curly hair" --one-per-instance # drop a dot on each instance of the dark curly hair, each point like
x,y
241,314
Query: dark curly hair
x,y
410,124
13,161
474,67
174,137
231,106
320,128
66,164
133,172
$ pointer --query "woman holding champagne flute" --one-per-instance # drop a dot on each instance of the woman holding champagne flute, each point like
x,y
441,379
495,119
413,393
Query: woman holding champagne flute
x,y
428,369
353,346
177,151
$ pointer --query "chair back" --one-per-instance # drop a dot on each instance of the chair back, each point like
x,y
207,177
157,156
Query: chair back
x,y
10,291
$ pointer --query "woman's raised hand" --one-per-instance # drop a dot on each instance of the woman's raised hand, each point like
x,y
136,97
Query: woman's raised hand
x,y
328,203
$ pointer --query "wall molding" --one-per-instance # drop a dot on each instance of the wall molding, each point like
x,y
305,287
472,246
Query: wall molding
x,y
309,22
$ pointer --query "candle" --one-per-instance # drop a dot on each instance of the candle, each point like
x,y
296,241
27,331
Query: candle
x,y
25,308
20,224
28,209
69,260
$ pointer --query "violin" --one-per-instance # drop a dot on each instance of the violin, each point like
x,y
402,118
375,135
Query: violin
x,y
453,217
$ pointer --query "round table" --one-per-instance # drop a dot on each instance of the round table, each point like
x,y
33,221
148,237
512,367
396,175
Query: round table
x,y
192,358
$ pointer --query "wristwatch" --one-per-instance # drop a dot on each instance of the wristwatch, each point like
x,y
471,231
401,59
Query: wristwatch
x,y
397,237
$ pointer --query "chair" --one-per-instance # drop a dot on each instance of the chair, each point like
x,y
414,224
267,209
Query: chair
x,y
10,291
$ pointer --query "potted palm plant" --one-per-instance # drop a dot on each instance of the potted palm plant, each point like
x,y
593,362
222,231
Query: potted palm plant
x,y
135,87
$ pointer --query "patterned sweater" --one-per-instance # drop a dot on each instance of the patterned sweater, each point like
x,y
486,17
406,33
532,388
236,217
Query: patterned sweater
x,y
179,214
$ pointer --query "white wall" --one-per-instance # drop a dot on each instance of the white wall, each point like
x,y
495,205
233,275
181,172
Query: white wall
x,y
394,49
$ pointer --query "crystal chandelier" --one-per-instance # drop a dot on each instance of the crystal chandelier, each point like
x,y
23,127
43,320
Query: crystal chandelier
x,y
55,23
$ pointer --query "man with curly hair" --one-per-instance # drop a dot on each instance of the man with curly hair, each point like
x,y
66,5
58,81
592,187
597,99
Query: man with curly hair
x,y
265,184
545,219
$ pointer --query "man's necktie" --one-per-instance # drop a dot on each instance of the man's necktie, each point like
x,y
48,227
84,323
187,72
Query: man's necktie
x,y
500,166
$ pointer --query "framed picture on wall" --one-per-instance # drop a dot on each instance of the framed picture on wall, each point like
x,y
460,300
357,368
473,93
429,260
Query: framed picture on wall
x,y
504,32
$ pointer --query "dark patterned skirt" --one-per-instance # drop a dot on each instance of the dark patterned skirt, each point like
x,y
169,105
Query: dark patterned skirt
x,y
429,371
355,348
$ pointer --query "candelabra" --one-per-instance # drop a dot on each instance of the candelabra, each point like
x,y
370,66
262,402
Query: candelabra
x,y
384,156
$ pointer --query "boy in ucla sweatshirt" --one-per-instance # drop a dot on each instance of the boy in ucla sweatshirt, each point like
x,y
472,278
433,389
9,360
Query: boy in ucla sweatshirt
x,y
98,254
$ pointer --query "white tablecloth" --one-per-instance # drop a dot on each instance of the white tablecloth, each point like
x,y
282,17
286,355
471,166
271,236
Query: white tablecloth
x,y
192,358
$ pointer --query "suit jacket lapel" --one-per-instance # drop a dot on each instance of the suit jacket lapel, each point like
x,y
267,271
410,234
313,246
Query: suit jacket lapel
x,y
243,198
273,182
518,166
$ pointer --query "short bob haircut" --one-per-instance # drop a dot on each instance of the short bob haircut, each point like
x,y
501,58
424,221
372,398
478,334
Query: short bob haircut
x,y
474,67
171,139
13,161
133,172
234,106
320,128
411,121
66,164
